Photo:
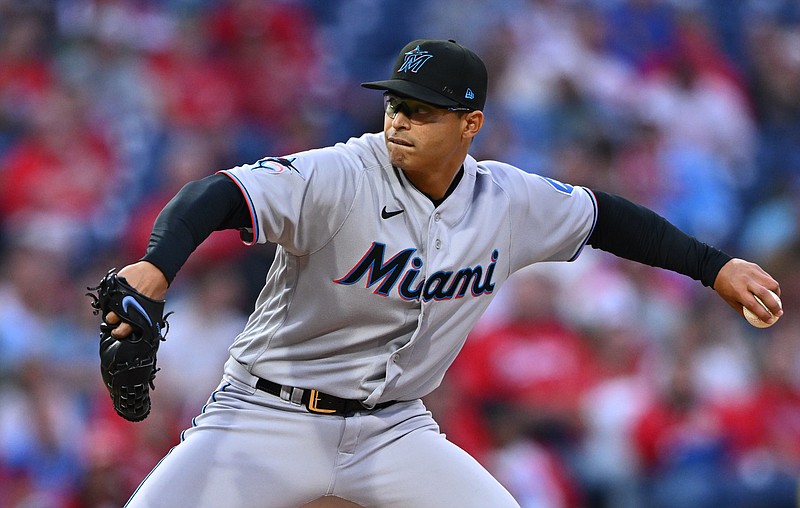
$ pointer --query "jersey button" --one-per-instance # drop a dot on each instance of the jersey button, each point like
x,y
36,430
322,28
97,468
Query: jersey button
x,y
395,358
437,217
438,244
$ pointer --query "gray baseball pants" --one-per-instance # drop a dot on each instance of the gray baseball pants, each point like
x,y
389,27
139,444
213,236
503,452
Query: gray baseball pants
x,y
251,449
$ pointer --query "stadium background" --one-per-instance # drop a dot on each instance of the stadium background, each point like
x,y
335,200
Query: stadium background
x,y
597,384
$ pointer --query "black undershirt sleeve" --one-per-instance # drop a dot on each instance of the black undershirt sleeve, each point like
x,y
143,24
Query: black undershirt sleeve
x,y
634,232
198,209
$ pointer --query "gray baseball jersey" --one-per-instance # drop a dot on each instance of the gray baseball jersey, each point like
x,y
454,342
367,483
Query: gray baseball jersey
x,y
370,297
374,289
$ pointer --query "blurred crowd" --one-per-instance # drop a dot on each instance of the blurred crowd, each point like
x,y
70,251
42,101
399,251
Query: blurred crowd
x,y
598,383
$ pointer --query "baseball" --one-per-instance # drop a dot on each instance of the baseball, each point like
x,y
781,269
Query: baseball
x,y
755,320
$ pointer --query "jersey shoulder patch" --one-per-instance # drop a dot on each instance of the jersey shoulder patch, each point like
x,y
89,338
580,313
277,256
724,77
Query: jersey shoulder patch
x,y
276,165
564,188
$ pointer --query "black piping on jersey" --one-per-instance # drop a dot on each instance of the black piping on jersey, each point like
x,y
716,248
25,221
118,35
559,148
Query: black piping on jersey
x,y
450,189
634,232
247,234
594,224
399,178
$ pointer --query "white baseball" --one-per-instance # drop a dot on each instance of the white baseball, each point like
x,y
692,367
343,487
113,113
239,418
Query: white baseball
x,y
755,320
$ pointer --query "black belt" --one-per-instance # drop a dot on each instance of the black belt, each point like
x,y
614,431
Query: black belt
x,y
316,401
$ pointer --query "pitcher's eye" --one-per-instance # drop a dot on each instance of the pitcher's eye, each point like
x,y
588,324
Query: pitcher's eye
x,y
420,110
417,112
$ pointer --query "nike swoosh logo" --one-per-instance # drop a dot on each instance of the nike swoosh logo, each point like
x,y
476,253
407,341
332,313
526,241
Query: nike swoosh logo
x,y
385,214
131,301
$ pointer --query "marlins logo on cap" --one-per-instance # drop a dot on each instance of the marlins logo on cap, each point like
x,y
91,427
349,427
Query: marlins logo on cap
x,y
414,60
442,73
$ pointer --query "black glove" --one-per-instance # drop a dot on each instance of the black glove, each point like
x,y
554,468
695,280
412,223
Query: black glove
x,y
128,366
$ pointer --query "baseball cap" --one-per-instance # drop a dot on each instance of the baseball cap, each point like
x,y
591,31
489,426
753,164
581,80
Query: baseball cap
x,y
439,72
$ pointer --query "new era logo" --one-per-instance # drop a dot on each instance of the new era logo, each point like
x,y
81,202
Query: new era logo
x,y
470,94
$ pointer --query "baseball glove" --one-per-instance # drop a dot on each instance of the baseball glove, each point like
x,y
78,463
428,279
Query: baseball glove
x,y
128,366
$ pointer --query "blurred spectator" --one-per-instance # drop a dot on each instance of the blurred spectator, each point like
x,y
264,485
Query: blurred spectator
x,y
104,59
695,102
609,465
41,421
683,444
195,83
640,29
38,429
117,454
273,58
34,295
706,440
25,71
534,474
775,80
53,175
768,454
531,361
524,377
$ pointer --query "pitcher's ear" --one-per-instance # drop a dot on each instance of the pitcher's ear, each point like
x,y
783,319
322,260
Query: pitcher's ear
x,y
473,122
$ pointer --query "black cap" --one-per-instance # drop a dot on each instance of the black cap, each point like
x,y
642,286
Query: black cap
x,y
442,73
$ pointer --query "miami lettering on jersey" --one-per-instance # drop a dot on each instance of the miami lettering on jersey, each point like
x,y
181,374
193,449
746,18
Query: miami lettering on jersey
x,y
402,268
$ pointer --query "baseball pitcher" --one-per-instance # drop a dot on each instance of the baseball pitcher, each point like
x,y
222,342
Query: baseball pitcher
x,y
390,246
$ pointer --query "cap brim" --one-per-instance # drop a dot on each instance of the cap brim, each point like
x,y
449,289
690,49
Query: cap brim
x,y
413,90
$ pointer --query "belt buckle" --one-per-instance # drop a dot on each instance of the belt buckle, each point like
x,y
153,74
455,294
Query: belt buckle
x,y
313,400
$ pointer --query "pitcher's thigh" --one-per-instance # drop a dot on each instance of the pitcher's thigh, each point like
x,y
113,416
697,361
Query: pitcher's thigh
x,y
244,459
423,469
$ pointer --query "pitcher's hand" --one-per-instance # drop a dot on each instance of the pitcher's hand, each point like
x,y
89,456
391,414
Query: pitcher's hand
x,y
737,283
148,280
